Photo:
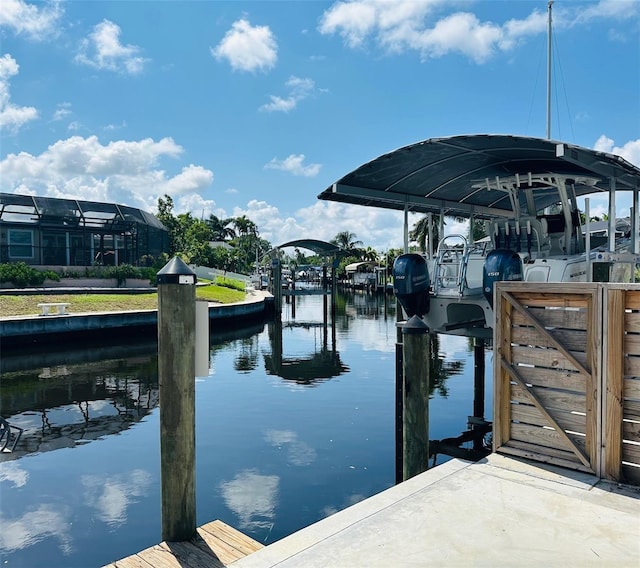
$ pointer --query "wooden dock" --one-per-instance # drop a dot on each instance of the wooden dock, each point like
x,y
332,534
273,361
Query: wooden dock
x,y
215,546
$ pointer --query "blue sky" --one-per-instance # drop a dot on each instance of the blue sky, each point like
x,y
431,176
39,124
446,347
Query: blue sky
x,y
253,108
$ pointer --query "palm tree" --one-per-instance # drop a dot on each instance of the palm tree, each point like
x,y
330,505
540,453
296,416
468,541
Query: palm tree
x,y
346,240
370,255
220,228
420,233
245,226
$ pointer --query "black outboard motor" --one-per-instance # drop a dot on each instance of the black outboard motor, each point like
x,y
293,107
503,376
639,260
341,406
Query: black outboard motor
x,y
411,284
501,265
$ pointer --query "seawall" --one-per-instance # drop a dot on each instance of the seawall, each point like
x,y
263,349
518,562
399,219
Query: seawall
x,y
25,331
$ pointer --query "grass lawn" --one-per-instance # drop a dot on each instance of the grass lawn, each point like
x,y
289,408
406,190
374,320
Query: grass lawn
x,y
79,303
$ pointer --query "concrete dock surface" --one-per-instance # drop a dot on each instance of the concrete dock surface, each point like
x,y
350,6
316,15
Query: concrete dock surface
x,y
500,511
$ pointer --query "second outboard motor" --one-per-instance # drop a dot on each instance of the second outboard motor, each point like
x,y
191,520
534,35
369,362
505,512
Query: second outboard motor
x,y
411,284
501,265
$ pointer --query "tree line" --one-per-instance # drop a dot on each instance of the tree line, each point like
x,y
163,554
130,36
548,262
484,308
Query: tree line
x,y
234,244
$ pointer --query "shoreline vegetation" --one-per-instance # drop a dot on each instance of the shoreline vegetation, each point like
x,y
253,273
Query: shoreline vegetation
x,y
27,305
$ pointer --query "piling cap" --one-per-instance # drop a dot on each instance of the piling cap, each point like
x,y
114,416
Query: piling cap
x,y
176,272
415,325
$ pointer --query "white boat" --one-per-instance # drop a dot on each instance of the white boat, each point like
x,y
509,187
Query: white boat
x,y
526,190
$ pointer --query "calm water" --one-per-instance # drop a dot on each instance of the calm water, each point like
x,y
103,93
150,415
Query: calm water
x,y
293,423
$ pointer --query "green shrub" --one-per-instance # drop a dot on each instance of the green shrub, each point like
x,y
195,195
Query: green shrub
x,y
230,283
21,274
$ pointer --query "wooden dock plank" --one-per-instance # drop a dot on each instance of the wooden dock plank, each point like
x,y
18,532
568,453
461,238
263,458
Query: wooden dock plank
x,y
228,543
133,561
215,545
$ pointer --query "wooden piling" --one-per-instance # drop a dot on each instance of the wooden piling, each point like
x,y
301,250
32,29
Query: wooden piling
x,y
415,415
276,278
176,373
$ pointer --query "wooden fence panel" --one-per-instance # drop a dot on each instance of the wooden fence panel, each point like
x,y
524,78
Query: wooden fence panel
x,y
547,373
621,421
567,376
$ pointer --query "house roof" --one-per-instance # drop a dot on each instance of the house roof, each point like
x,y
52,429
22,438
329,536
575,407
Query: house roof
x,y
68,213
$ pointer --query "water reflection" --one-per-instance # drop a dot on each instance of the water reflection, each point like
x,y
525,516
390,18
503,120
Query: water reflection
x,y
298,453
309,368
69,404
253,498
34,526
110,496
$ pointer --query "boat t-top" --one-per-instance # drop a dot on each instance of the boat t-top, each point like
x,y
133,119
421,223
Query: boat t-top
x,y
525,190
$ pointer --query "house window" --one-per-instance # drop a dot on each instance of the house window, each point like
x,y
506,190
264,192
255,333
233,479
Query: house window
x,y
20,243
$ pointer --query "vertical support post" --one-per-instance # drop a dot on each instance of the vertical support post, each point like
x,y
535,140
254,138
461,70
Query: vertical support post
x,y
406,228
613,387
176,373
478,377
612,214
635,221
399,411
276,277
430,228
502,325
587,239
415,415
478,386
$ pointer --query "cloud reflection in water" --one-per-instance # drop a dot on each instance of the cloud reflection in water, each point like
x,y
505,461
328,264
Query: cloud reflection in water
x,y
252,497
34,526
299,453
111,496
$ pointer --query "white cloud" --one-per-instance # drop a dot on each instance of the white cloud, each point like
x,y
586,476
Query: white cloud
x,y
12,117
629,151
62,111
609,9
38,22
121,171
412,25
294,165
299,89
103,50
247,47
378,228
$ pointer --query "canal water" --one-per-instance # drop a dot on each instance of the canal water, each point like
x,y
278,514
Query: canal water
x,y
296,420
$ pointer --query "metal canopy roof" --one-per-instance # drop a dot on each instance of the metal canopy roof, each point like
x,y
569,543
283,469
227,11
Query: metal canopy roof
x,y
319,247
461,175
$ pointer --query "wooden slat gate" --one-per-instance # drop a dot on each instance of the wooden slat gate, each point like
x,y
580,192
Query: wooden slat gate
x,y
567,375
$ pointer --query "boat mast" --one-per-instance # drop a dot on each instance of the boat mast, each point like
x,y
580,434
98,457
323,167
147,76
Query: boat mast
x,y
549,5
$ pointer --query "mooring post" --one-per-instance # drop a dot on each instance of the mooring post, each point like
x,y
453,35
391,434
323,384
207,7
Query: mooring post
x,y
478,389
415,414
277,285
176,374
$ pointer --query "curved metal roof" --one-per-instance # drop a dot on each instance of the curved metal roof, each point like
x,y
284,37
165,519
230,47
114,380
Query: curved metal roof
x,y
468,174
319,247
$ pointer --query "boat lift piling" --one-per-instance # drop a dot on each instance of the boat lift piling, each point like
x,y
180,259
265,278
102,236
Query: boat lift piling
x,y
176,375
411,287
415,401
